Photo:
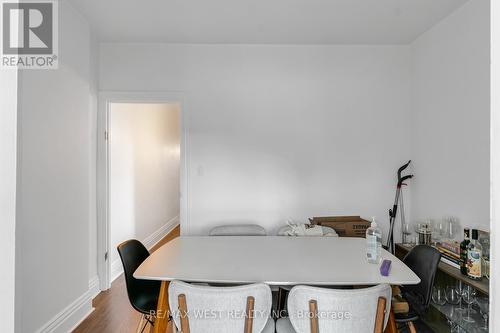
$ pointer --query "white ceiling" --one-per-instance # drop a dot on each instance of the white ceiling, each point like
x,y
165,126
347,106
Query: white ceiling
x,y
264,21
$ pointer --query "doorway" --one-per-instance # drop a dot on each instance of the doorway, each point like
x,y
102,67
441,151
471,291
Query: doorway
x,y
140,175
144,156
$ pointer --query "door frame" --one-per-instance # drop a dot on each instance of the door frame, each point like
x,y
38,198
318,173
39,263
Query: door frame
x,y
106,98
494,323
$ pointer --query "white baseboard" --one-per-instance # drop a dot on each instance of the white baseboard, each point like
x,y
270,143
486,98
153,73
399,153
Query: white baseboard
x,y
149,242
70,317
94,287
116,269
159,234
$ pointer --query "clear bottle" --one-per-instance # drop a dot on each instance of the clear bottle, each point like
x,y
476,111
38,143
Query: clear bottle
x,y
374,243
474,254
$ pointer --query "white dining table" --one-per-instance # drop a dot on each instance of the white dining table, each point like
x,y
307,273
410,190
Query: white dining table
x,y
275,260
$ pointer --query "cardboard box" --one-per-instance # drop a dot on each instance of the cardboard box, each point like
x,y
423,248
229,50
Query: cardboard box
x,y
345,226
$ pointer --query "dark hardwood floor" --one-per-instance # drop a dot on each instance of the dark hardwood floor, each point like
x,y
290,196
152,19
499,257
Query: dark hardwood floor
x,y
113,312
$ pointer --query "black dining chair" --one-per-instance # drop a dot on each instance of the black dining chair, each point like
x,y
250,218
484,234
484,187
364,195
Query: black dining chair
x,y
423,260
142,294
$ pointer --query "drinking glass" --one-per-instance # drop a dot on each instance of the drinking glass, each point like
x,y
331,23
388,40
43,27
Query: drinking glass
x,y
484,307
450,227
453,295
406,231
438,296
438,229
459,288
469,297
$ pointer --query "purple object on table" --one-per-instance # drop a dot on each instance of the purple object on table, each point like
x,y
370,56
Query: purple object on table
x,y
385,267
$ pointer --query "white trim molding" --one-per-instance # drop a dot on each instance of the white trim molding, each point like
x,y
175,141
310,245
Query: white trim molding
x,y
105,99
116,269
495,167
159,234
149,242
8,173
94,287
70,317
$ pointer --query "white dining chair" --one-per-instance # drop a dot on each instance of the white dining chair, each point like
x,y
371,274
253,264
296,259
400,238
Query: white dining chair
x,y
287,230
238,230
313,310
203,309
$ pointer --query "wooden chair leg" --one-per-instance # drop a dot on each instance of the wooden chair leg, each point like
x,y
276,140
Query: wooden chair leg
x,y
313,315
140,325
411,327
152,328
162,323
391,324
183,312
379,319
278,303
249,314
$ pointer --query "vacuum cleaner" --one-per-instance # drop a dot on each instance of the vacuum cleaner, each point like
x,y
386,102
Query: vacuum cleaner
x,y
389,246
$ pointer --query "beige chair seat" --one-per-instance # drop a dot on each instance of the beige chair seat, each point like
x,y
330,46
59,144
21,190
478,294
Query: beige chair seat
x,y
238,230
220,309
337,310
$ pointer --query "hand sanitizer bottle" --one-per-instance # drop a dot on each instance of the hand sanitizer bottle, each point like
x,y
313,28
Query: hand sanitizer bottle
x,y
374,243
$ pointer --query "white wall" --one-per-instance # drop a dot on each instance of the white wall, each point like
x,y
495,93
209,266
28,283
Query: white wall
x,y
143,170
52,244
279,131
274,132
8,138
451,117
